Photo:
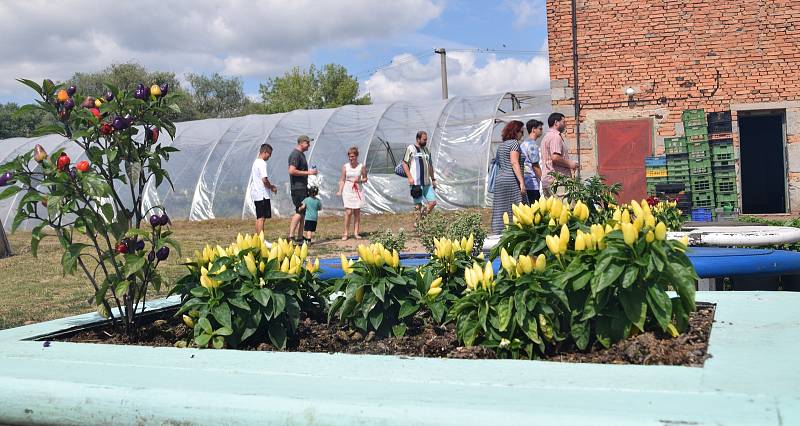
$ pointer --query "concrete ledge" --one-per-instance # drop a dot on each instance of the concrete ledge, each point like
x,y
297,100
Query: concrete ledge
x,y
751,379
765,105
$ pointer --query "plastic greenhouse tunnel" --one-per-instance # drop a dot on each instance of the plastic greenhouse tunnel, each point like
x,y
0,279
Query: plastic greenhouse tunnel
x,y
211,171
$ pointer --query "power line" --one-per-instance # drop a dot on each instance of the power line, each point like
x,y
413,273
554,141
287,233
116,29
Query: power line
x,y
393,63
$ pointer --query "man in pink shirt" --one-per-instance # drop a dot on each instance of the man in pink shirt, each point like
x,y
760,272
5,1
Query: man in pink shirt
x,y
554,155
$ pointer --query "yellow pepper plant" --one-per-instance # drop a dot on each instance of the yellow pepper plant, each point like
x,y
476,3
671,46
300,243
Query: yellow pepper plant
x,y
378,294
248,291
602,283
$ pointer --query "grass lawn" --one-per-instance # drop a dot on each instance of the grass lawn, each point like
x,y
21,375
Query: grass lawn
x,y
35,289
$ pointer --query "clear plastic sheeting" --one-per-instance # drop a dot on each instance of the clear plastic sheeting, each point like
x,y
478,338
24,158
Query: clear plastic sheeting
x,y
211,171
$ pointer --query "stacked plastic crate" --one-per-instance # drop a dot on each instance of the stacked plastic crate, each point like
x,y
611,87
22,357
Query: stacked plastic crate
x,y
700,171
720,136
677,161
655,173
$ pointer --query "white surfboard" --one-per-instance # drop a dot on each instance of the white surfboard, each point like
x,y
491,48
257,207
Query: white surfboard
x,y
726,236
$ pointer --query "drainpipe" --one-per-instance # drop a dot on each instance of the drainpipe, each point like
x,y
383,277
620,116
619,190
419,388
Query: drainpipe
x,y
575,81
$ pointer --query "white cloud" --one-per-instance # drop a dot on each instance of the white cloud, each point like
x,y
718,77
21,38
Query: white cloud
x,y
528,12
412,79
43,38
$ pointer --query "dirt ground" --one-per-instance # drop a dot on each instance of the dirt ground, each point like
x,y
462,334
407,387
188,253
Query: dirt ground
x,y
424,339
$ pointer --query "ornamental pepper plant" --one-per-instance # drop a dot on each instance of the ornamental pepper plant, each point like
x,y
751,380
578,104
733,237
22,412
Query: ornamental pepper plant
x,y
592,284
378,294
95,208
248,292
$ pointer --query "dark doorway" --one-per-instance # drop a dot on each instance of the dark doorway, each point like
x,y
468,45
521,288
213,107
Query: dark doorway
x,y
762,162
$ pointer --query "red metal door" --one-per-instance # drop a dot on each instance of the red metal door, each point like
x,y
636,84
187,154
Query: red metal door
x,y
621,148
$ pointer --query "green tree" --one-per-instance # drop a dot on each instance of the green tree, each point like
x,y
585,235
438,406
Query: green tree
x,y
15,124
300,89
126,76
217,96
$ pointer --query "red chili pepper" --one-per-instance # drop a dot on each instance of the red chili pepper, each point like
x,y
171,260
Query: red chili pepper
x,y
82,166
63,161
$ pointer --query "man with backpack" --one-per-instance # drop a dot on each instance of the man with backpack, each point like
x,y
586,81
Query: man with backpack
x,y
418,167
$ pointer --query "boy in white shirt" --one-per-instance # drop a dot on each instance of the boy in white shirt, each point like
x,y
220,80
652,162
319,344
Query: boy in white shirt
x,y
260,186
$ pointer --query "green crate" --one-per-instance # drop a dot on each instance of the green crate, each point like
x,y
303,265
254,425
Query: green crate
x,y
703,199
679,173
683,160
700,166
721,174
723,157
722,148
693,114
702,183
722,163
696,131
727,198
725,186
701,145
695,123
722,152
674,146
706,155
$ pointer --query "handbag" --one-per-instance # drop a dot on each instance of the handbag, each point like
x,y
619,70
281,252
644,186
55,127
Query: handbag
x,y
493,168
399,170
416,191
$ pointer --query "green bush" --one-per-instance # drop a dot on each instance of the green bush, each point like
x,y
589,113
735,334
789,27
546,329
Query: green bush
x,y
455,227
390,240
467,224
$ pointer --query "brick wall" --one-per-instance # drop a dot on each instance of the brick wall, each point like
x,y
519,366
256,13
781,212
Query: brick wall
x,y
673,49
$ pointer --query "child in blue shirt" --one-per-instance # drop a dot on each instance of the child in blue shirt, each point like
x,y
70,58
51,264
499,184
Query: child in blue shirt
x,y
311,205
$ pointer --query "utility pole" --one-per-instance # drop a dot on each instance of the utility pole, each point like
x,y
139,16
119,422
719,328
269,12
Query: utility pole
x,y
442,52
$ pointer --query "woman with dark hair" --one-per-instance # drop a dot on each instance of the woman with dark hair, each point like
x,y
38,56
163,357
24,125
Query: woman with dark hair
x,y
509,185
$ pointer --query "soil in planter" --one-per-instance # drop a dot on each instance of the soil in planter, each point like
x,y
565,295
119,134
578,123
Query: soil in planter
x,y
427,340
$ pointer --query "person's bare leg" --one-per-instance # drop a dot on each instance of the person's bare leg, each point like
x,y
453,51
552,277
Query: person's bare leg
x,y
259,225
347,213
294,226
357,223
431,205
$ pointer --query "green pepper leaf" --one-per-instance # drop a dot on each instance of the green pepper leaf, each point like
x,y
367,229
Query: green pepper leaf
x,y
277,334
399,330
222,313
205,325
634,305
504,311
660,305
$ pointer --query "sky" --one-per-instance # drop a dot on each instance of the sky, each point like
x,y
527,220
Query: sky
x,y
493,46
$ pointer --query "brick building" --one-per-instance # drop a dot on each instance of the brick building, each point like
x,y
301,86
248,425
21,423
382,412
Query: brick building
x,y
673,55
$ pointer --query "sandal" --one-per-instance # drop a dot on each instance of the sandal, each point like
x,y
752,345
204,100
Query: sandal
x,y
344,238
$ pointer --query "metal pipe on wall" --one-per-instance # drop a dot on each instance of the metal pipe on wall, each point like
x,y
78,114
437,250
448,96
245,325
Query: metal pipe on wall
x,y
575,83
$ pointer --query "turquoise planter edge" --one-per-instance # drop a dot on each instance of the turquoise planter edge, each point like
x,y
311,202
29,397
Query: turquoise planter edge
x,y
750,379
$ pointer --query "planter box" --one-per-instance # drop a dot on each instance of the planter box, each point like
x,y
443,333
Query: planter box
x,y
750,379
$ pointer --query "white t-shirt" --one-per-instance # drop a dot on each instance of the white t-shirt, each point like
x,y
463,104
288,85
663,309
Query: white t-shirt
x,y
258,191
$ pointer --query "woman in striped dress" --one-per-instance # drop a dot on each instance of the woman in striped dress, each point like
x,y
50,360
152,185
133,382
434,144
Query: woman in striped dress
x,y
509,186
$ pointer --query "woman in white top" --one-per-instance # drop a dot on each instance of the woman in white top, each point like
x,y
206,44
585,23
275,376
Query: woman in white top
x,y
354,174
